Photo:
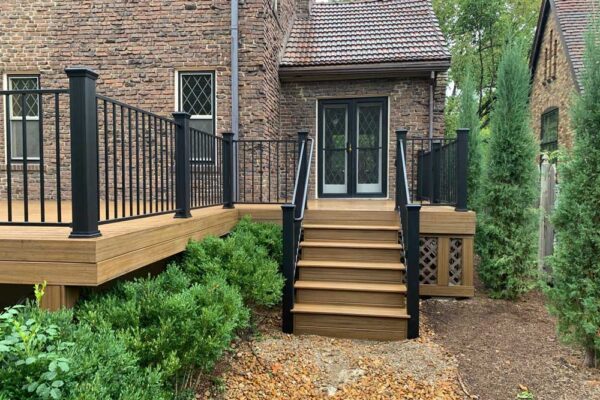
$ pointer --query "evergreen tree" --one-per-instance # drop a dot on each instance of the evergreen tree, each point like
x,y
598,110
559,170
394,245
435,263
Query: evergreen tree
x,y
469,118
575,295
507,229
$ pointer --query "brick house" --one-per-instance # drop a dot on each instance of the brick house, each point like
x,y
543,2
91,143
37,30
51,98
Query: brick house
x,y
351,73
556,64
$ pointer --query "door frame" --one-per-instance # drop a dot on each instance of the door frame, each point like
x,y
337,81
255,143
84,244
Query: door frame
x,y
352,103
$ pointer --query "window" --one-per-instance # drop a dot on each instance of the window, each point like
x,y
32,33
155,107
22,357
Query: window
x,y
549,136
196,96
29,107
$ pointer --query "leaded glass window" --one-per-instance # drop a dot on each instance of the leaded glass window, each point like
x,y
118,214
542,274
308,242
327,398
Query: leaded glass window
x,y
24,111
197,98
549,135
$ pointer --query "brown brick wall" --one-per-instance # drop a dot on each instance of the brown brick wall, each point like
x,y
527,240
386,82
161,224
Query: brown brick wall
x,y
551,89
408,102
136,47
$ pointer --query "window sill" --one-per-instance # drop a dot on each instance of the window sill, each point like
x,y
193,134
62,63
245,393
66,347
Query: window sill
x,y
17,166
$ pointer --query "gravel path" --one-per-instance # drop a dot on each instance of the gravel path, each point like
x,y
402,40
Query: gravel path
x,y
279,366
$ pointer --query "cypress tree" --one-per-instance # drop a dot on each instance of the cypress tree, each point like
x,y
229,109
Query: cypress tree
x,y
469,118
575,295
507,221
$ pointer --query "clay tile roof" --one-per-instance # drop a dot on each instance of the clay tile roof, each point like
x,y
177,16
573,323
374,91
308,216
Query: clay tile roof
x,y
573,17
366,31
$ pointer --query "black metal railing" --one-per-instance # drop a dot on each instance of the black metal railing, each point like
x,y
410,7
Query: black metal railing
x,y
136,161
293,216
436,169
409,218
100,160
206,165
266,170
32,181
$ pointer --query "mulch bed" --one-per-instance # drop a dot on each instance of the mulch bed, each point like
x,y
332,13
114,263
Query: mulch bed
x,y
503,347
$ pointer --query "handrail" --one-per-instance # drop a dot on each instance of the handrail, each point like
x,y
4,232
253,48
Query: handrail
x,y
409,219
307,180
405,176
293,215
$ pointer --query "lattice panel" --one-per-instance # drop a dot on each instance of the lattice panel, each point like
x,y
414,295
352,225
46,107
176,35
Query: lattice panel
x,y
428,247
455,262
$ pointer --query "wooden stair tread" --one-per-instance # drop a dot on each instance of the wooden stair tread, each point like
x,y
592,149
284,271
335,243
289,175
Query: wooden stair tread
x,y
350,265
353,227
358,311
352,286
351,245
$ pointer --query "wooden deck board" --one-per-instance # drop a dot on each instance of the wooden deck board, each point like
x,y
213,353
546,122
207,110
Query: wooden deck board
x,y
32,254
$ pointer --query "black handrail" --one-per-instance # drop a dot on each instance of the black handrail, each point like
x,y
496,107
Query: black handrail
x,y
293,215
409,218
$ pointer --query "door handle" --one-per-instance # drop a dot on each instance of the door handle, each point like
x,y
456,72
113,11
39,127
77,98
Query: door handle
x,y
349,148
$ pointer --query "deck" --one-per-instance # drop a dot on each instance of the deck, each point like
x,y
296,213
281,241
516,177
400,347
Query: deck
x,y
33,254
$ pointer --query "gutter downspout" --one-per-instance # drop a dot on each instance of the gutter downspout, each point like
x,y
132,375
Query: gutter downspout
x,y
432,79
235,110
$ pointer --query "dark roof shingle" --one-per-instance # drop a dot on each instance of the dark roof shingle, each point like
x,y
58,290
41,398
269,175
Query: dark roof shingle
x,y
367,31
574,17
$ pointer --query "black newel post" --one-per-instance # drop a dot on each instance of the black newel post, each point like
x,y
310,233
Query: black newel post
x,y
462,168
84,156
400,139
183,178
289,270
228,170
436,151
411,244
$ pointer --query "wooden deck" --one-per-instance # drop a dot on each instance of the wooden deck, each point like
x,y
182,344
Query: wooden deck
x,y
33,254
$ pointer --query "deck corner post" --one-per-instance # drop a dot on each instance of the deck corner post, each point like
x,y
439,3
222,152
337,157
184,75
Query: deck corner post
x,y
462,169
84,152
183,180
401,135
228,170
289,267
411,256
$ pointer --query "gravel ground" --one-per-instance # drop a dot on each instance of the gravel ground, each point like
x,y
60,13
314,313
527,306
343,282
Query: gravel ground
x,y
280,366
503,347
478,348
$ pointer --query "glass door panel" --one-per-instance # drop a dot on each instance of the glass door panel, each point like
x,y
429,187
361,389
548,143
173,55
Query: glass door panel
x,y
369,132
335,158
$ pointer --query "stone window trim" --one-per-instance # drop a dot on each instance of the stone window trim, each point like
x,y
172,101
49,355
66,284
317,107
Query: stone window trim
x,y
7,84
549,121
196,94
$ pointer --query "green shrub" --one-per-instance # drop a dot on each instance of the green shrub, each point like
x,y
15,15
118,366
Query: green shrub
x,y
168,321
575,295
105,368
506,239
45,355
33,356
247,258
267,235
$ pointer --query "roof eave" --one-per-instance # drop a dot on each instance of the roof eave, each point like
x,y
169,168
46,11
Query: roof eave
x,y
362,71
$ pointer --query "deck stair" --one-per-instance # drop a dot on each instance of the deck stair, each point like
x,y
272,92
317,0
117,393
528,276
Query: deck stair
x,y
350,276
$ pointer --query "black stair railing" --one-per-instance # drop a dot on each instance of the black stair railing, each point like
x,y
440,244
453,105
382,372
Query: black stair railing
x,y
409,218
293,216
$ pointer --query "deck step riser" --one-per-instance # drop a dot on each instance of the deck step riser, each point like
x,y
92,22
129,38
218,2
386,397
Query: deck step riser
x,y
356,327
351,217
351,235
351,254
351,275
347,297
